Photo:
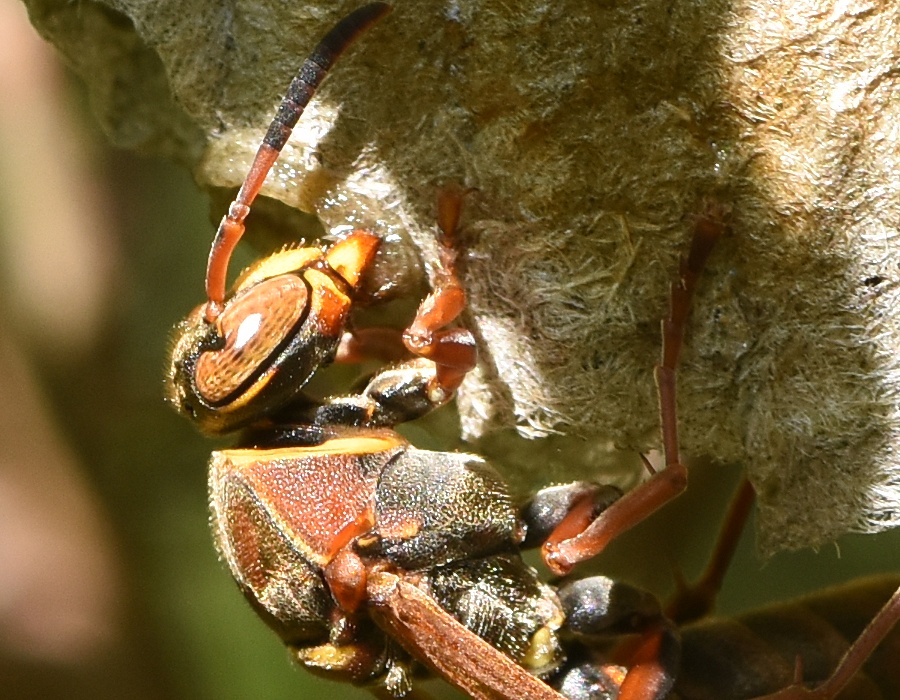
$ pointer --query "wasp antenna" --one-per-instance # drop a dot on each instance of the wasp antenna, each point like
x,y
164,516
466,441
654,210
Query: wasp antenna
x,y
299,93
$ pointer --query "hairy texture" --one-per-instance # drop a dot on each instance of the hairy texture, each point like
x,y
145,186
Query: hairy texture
x,y
593,132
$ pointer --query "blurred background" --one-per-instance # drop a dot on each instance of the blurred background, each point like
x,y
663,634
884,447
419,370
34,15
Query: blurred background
x,y
109,583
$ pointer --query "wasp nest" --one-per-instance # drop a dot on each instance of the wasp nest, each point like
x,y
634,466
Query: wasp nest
x,y
592,132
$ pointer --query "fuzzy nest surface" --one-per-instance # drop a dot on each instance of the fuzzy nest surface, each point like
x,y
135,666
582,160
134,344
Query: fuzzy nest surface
x,y
593,132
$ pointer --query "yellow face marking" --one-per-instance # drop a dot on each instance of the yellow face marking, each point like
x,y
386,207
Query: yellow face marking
x,y
250,393
350,256
287,261
328,305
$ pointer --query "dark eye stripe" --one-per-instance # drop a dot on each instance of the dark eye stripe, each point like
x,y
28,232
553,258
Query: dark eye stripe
x,y
255,326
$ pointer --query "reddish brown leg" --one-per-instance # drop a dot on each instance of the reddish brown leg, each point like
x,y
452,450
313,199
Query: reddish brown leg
x,y
300,91
562,550
695,601
451,349
851,662
648,677
649,674
376,343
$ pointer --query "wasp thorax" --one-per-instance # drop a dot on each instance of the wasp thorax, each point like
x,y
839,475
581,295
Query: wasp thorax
x,y
255,326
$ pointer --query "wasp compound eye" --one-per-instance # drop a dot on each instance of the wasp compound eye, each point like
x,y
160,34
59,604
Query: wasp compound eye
x,y
255,326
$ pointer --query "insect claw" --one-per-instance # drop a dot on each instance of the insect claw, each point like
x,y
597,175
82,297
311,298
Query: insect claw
x,y
798,670
647,463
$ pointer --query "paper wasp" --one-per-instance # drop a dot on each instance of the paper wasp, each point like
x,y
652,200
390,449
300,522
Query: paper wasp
x,y
374,560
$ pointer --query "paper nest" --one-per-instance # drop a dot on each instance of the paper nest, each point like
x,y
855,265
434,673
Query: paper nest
x,y
592,132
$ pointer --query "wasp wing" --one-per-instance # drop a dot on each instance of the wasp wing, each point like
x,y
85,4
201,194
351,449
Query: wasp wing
x,y
440,641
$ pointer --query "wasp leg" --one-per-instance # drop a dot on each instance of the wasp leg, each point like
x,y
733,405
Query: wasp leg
x,y
368,660
691,602
445,355
578,538
852,661
396,394
598,606
375,343
452,350
550,506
